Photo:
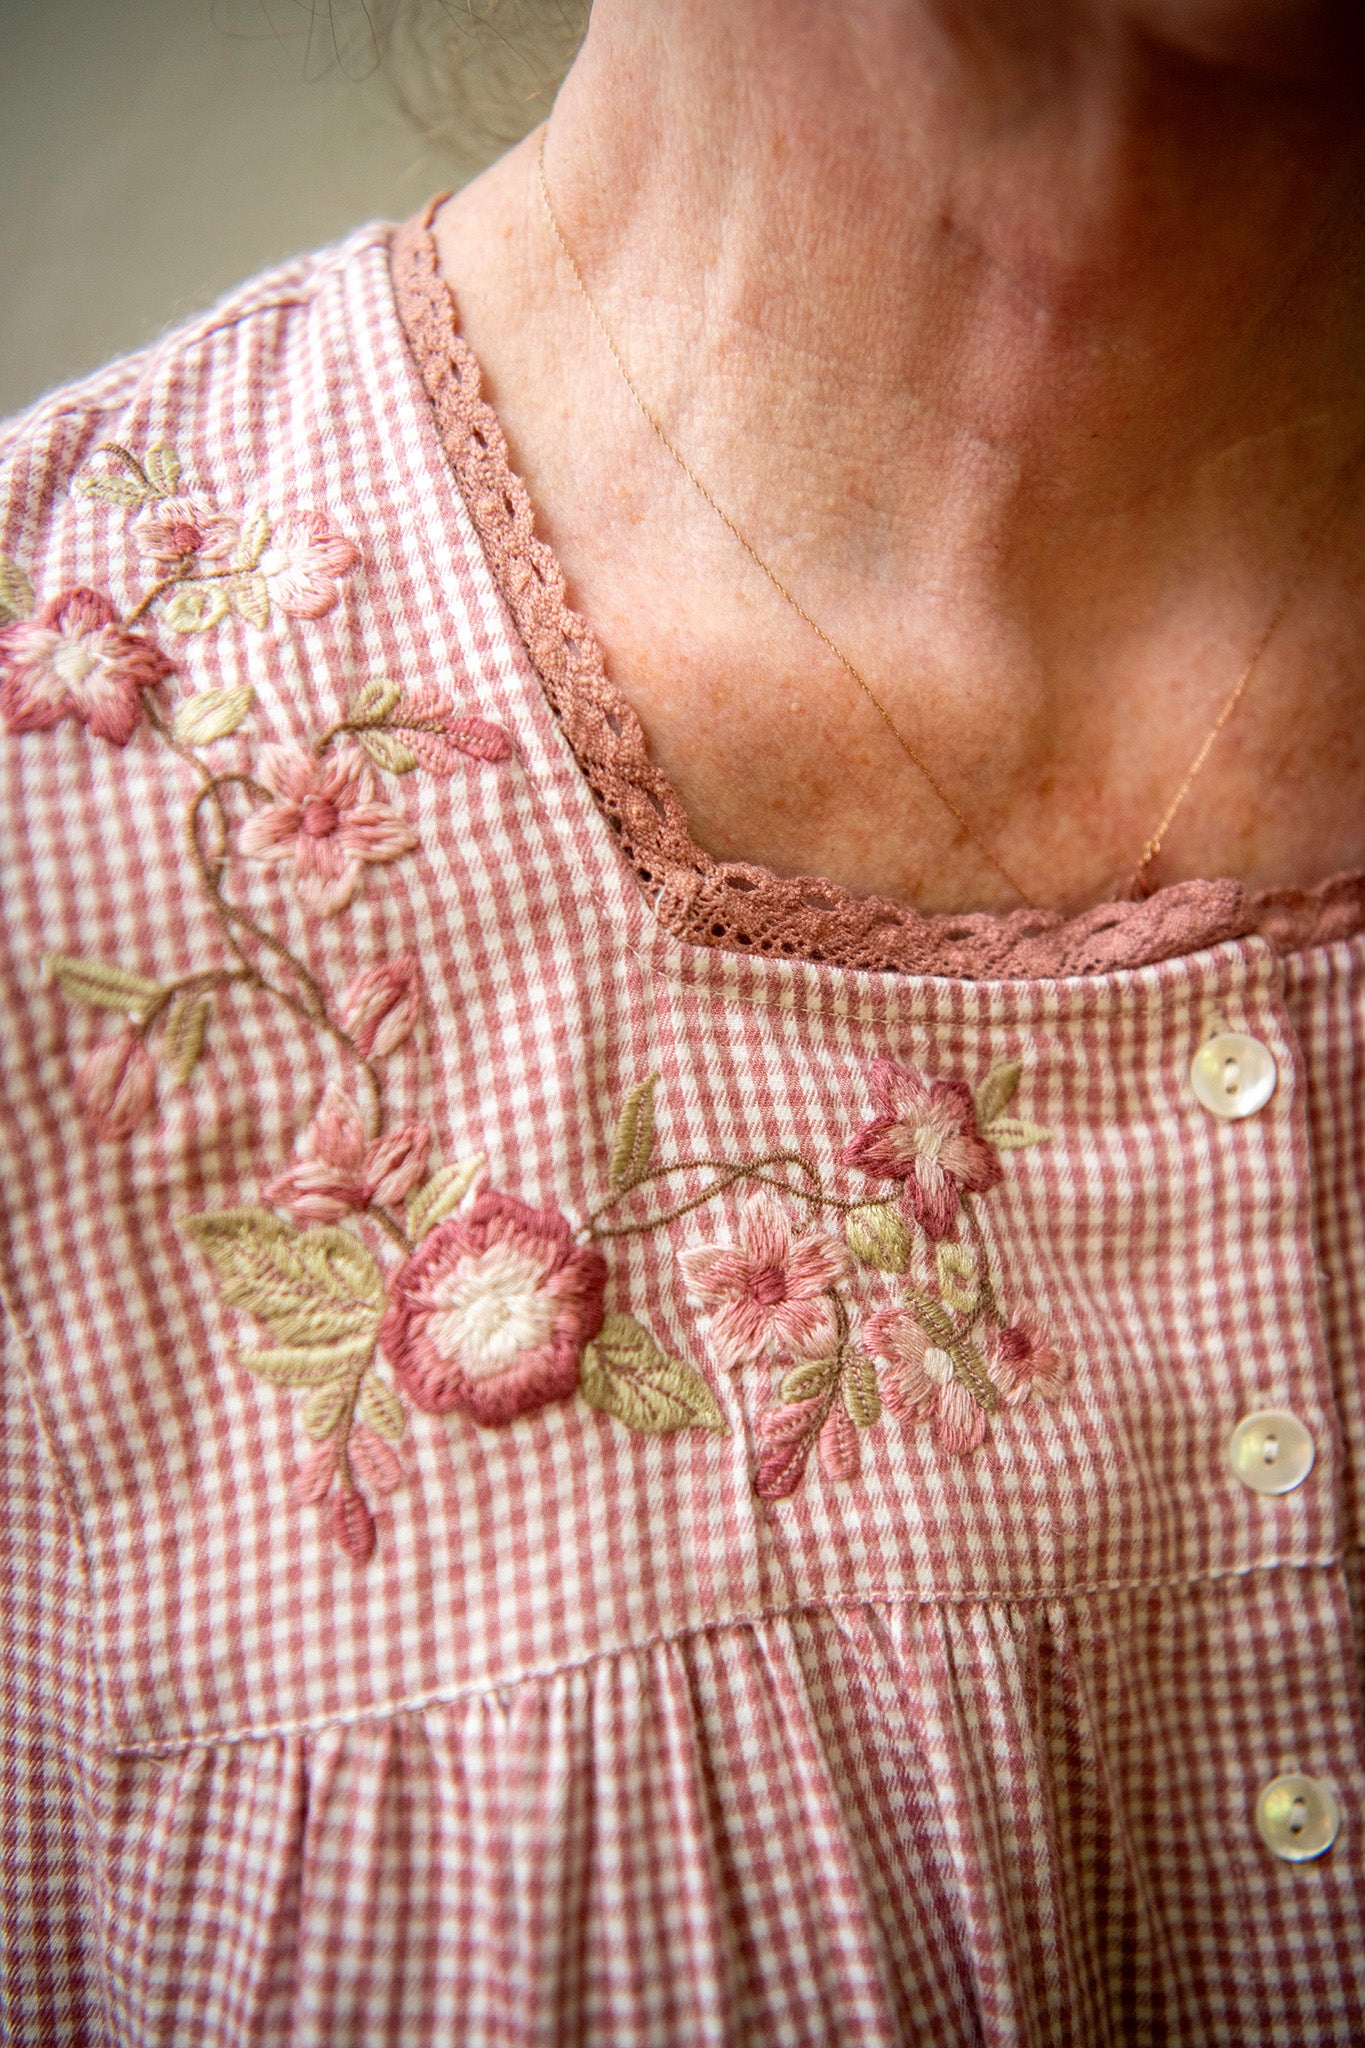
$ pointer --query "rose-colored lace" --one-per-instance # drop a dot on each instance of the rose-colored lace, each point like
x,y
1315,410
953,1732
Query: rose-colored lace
x,y
734,905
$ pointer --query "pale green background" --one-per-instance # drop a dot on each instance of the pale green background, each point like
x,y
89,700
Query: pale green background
x,y
155,152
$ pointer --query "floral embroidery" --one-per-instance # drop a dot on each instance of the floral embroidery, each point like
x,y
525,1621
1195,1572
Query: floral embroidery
x,y
769,1292
213,564
491,1316
325,823
927,1138
116,1085
379,1010
359,1259
300,561
338,1170
76,660
948,1355
176,531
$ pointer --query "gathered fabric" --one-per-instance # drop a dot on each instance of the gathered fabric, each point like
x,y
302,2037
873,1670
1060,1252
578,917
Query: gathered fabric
x,y
599,1446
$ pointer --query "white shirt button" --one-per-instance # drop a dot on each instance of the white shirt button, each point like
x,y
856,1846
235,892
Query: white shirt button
x,y
1271,1451
1233,1075
1297,1818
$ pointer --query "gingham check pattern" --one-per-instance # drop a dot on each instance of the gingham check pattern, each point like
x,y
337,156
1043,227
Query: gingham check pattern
x,y
598,1747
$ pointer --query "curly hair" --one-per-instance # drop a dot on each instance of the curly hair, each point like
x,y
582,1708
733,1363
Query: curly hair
x,y
476,75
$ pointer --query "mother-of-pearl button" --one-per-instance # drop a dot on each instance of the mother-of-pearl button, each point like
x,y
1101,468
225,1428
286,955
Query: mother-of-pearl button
x,y
1297,1818
1233,1075
1271,1451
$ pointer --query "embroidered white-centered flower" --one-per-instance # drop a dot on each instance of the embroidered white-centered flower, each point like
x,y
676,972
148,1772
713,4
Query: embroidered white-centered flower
x,y
490,1316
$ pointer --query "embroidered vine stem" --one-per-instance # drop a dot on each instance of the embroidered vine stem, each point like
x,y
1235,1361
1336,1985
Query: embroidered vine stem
x,y
209,865
730,1173
144,604
391,1229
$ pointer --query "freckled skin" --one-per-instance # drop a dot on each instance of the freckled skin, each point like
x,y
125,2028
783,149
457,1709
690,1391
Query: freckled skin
x,y
1022,342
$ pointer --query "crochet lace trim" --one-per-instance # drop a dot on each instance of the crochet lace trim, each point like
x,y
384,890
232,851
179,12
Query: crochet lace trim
x,y
733,905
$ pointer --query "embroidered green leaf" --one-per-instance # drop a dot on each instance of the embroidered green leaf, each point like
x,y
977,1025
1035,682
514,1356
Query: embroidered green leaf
x,y
255,538
625,1374
442,1195
325,1408
114,490
1012,1134
16,592
249,596
104,986
937,1325
997,1091
318,1286
194,607
859,1388
212,714
877,1236
182,1041
381,1408
163,469
308,1365
634,1137
375,703
957,1276
970,1368
805,1382
388,752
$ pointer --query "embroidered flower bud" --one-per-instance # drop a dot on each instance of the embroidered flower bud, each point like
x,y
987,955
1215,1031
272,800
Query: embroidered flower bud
x,y
877,1236
315,1472
395,1164
374,1461
353,1525
380,1009
117,1086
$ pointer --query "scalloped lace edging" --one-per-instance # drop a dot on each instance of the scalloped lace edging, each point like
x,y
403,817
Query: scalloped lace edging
x,y
733,905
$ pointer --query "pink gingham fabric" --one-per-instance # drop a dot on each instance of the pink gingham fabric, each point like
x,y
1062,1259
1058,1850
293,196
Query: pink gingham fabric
x,y
600,1744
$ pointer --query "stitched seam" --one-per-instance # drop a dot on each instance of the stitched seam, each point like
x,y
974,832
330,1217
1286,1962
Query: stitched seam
x,y
11,1306
539,1674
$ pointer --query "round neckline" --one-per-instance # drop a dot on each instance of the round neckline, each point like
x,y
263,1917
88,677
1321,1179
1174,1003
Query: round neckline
x,y
739,906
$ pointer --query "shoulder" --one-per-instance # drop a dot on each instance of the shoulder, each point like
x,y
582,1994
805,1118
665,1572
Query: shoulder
x,y
227,402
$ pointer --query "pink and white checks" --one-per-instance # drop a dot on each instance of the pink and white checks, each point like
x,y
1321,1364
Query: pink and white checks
x,y
373,1136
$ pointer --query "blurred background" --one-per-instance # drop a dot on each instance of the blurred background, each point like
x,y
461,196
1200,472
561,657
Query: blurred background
x,y
155,152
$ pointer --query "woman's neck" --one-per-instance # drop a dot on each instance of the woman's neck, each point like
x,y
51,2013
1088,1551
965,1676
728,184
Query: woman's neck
x,y
1024,348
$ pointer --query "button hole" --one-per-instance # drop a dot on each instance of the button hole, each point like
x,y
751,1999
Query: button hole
x,y
1298,1816
1270,1449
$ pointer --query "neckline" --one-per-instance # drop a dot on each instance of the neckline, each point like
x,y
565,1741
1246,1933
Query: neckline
x,y
737,906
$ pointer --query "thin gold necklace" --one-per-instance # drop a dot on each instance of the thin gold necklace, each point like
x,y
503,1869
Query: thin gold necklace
x,y
1152,846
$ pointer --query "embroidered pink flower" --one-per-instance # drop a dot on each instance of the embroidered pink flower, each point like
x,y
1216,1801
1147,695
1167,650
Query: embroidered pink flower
x,y
1024,1361
768,1292
927,1137
380,1009
303,556
491,1315
337,1170
116,1085
326,820
175,530
920,1384
76,660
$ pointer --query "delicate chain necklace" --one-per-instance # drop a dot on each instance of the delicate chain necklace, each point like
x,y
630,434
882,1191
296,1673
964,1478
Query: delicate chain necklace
x,y
1151,848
